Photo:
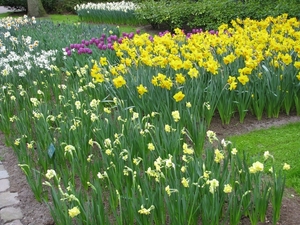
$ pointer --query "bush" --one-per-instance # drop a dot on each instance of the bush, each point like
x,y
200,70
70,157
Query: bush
x,y
14,4
209,14
49,5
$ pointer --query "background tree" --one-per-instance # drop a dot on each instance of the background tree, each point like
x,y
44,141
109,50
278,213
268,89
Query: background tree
x,y
35,8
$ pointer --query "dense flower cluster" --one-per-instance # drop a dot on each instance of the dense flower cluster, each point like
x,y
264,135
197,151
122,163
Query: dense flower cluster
x,y
9,23
102,43
111,12
109,6
234,62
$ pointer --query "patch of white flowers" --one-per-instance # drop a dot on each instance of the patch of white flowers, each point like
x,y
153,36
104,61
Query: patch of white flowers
x,y
109,6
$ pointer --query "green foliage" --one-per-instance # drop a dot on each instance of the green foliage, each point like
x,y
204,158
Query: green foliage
x,y
281,141
49,5
16,4
209,14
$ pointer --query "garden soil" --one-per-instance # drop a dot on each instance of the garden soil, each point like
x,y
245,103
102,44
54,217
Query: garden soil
x,y
36,213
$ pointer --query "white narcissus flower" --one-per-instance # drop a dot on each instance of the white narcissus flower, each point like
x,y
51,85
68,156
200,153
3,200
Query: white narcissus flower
x,y
176,115
185,182
256,167
227,188
213,184
50,174
234,151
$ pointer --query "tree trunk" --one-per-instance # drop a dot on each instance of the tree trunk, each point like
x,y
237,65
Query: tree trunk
x,y
35,8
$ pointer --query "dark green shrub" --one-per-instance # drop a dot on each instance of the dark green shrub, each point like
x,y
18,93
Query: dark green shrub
x,y
165,14
14,4
210,14
49,5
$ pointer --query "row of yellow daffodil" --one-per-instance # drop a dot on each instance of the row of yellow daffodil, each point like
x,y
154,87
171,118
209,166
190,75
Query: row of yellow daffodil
x,y
256,59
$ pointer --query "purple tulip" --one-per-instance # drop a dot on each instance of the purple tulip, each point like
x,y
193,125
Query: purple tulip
x,y
114,37
131,35
120,40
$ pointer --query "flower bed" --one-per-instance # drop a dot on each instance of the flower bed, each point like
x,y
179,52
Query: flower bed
x,y
124,139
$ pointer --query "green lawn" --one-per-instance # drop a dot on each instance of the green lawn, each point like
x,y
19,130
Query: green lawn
x,y
282,142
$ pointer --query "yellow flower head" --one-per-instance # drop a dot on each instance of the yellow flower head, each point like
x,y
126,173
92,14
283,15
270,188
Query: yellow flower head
x,y
243,79
297,65
232,83
119,81
145,211
234,151
286,59
286,166
218,156
229,58
227,188
167,84
187,64
185,182
178,96
50,174
151,146
180,79
256,167
187,149
188,105
213,184
193,73
176,115
74,211
167,128
298,76
167,189
141,89
103,61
